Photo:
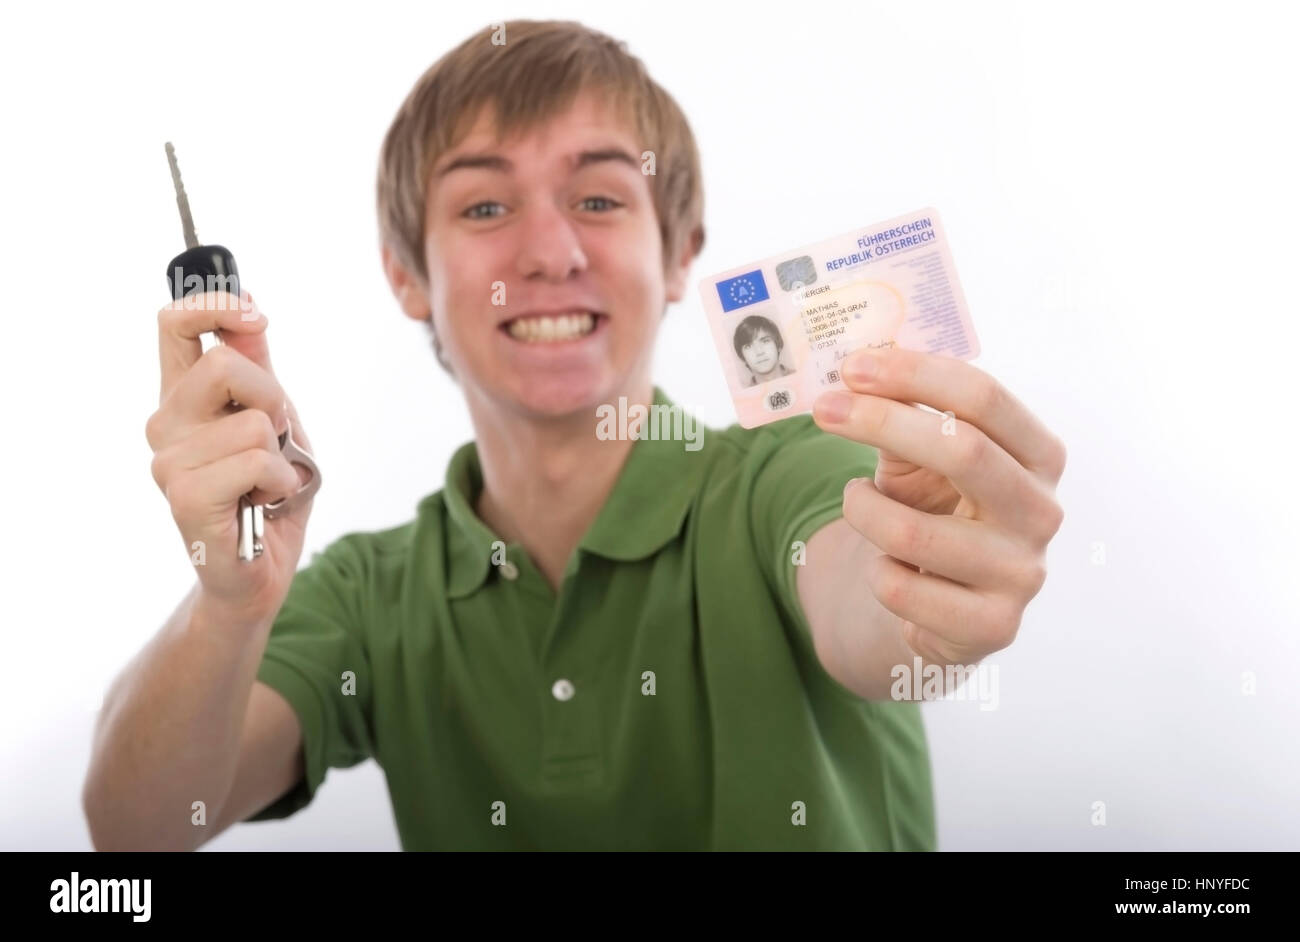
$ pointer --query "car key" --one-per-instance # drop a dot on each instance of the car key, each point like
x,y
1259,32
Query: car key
x,y
212,267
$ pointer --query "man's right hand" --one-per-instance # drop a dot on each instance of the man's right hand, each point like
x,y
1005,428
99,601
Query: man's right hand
x,y
207,454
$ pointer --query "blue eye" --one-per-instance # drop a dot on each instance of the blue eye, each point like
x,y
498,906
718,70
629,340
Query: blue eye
x,y
602,199
471,214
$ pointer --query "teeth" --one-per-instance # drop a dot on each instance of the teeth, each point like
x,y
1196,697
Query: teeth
x,y
543,329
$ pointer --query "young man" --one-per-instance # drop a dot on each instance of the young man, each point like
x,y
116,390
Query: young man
x,y
582,643
758,343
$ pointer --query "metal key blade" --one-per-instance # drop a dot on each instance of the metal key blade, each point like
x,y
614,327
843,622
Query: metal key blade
x,y
182,201
247,548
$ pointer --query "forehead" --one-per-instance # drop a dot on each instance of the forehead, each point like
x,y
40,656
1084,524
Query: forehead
x,y
588,120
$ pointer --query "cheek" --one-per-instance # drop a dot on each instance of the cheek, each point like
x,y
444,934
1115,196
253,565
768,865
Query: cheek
x,y
460,284
627,277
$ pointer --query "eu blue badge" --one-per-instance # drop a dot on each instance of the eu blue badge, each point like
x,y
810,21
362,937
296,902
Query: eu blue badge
x,y
749,288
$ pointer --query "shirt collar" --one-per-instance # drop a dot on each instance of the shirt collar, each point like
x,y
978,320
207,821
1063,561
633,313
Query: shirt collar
x,y
644,511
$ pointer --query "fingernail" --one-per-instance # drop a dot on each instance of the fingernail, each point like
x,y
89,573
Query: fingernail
x,y
833,406
850,483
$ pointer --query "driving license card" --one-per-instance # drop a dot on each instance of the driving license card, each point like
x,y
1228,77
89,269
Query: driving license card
x,y
783,325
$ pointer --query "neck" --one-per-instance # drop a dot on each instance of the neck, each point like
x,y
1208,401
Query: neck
x,y
544,482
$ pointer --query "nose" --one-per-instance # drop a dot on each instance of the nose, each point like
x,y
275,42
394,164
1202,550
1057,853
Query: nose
x,y
549,245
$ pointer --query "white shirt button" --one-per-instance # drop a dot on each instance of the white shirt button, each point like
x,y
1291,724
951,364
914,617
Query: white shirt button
x,y
509,570
562,689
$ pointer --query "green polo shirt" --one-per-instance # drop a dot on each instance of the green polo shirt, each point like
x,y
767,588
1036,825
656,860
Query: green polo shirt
x,y
667,697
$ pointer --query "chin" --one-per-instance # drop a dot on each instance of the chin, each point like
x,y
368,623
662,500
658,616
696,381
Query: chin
x,y
560,395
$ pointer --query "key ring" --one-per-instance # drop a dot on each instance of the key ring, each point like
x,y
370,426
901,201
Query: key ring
x,y
252,516
294,454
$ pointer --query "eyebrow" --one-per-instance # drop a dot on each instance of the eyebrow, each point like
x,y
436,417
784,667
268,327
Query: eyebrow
x,y
502,165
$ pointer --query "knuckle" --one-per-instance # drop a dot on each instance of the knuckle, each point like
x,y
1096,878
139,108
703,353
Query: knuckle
x,y
1059,458
151,430
857,510
258,428
911,538
220,355
971,448
888,585
1000,626
180,495
222,361
1031,577
266,462
989,396
1050,520
158,469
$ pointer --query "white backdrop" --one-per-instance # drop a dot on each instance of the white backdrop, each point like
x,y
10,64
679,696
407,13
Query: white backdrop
x,y
1118,182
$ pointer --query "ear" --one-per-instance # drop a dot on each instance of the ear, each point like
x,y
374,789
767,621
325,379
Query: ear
x,y
675,276
410,293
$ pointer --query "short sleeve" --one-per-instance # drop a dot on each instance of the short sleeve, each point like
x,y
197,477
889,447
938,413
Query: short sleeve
x,y
798,473
318,637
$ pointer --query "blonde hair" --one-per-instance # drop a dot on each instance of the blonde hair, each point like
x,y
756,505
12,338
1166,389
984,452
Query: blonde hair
x,y
538,71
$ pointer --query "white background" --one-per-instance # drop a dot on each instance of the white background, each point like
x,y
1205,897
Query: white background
x,y
1119,185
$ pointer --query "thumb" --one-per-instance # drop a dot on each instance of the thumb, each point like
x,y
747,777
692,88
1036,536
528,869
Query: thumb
x,y
252,346
251,343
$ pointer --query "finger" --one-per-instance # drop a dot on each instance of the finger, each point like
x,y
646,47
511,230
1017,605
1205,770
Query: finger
x,y
217,487
976,465
239,432
947,384
185,320
933,648
252,345
967,620
969,552
221,375
299,433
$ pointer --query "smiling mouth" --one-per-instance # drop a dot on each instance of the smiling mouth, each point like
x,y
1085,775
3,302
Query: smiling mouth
x,y
553,328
